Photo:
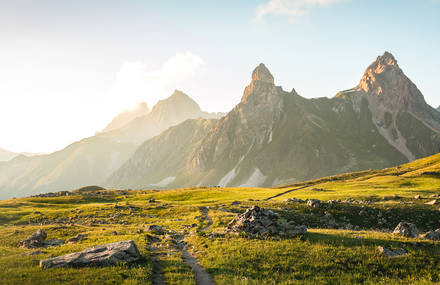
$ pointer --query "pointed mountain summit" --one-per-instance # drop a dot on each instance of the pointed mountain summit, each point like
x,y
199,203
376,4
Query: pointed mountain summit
x,y
261,73
394,90
127,116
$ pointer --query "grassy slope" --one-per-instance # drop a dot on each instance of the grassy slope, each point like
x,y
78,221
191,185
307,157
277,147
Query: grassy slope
x,y
320,257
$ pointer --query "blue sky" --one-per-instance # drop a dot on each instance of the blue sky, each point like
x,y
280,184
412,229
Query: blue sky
x,y
58,58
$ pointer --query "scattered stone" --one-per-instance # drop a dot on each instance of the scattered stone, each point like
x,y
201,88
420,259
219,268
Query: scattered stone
x,y
76,239
36,252
101,255
392,253
35,240
155,229
433,202
258,221
38,239
114,233
417,197
293,200
406,229
53,242
329,220
432,235
314,203
235,203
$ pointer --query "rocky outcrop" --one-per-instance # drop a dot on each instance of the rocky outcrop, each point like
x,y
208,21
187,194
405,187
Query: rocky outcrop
x,y
392,253
406,229
432,235
101,255
38,239
258,221
35,240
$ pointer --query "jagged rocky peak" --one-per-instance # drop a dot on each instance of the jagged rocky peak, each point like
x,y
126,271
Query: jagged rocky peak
x,y
261,73
383,73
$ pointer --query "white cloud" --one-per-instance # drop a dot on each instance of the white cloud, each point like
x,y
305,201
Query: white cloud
x,y
289,8
135,82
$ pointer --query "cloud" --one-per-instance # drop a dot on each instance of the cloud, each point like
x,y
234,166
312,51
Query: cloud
x,y
289,8
135,82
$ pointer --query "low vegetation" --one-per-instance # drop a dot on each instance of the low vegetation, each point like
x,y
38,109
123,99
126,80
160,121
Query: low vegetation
x,y
357,213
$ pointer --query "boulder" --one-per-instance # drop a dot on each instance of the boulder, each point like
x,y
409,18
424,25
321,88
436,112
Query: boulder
x,y
258,221
432,235
392,253
406,229
433,202
101,255
314,203
35,240
76,239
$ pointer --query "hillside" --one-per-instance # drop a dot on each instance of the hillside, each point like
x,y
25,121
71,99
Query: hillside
x,y
349,232
6,155
275,137
92,160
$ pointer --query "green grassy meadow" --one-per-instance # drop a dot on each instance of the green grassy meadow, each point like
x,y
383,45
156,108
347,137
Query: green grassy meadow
x,y
345,254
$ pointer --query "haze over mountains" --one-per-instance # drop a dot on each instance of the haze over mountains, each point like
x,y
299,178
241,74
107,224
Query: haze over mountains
x,y
271,137
92,160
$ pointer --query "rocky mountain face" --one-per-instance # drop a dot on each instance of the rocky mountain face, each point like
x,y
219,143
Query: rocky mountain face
x,y
273,137
126,117
91,160
6,155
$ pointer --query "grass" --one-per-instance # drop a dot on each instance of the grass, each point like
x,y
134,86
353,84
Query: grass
x,y
322,256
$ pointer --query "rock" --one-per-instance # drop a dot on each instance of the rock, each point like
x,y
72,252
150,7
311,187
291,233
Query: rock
x,y
155,229
235,203
314,203
406,229
53,242
433,202
392,253
76,239
35,240
114,233
432,235
417,197
38,239
258,221
37,252
101,255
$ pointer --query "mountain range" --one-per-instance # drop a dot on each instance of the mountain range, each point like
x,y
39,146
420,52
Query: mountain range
x,y
270,137
274,137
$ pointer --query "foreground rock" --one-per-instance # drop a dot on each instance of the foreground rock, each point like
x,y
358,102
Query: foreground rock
x,y
101,255
406,229
432,235
38,239
258,221
392,253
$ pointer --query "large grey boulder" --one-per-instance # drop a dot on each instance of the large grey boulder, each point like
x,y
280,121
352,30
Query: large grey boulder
x,y
100,255
407,229
392,253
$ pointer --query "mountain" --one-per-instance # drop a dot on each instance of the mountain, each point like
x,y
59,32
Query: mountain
x,y
6,155
438,108
91,160
126,117
169,112
273,137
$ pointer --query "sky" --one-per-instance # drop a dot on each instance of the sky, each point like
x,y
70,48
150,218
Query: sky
x,y
68,67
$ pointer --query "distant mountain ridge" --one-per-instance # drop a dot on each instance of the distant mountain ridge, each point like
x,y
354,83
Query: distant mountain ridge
x,y
91,160
126,117
6,155
273,137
